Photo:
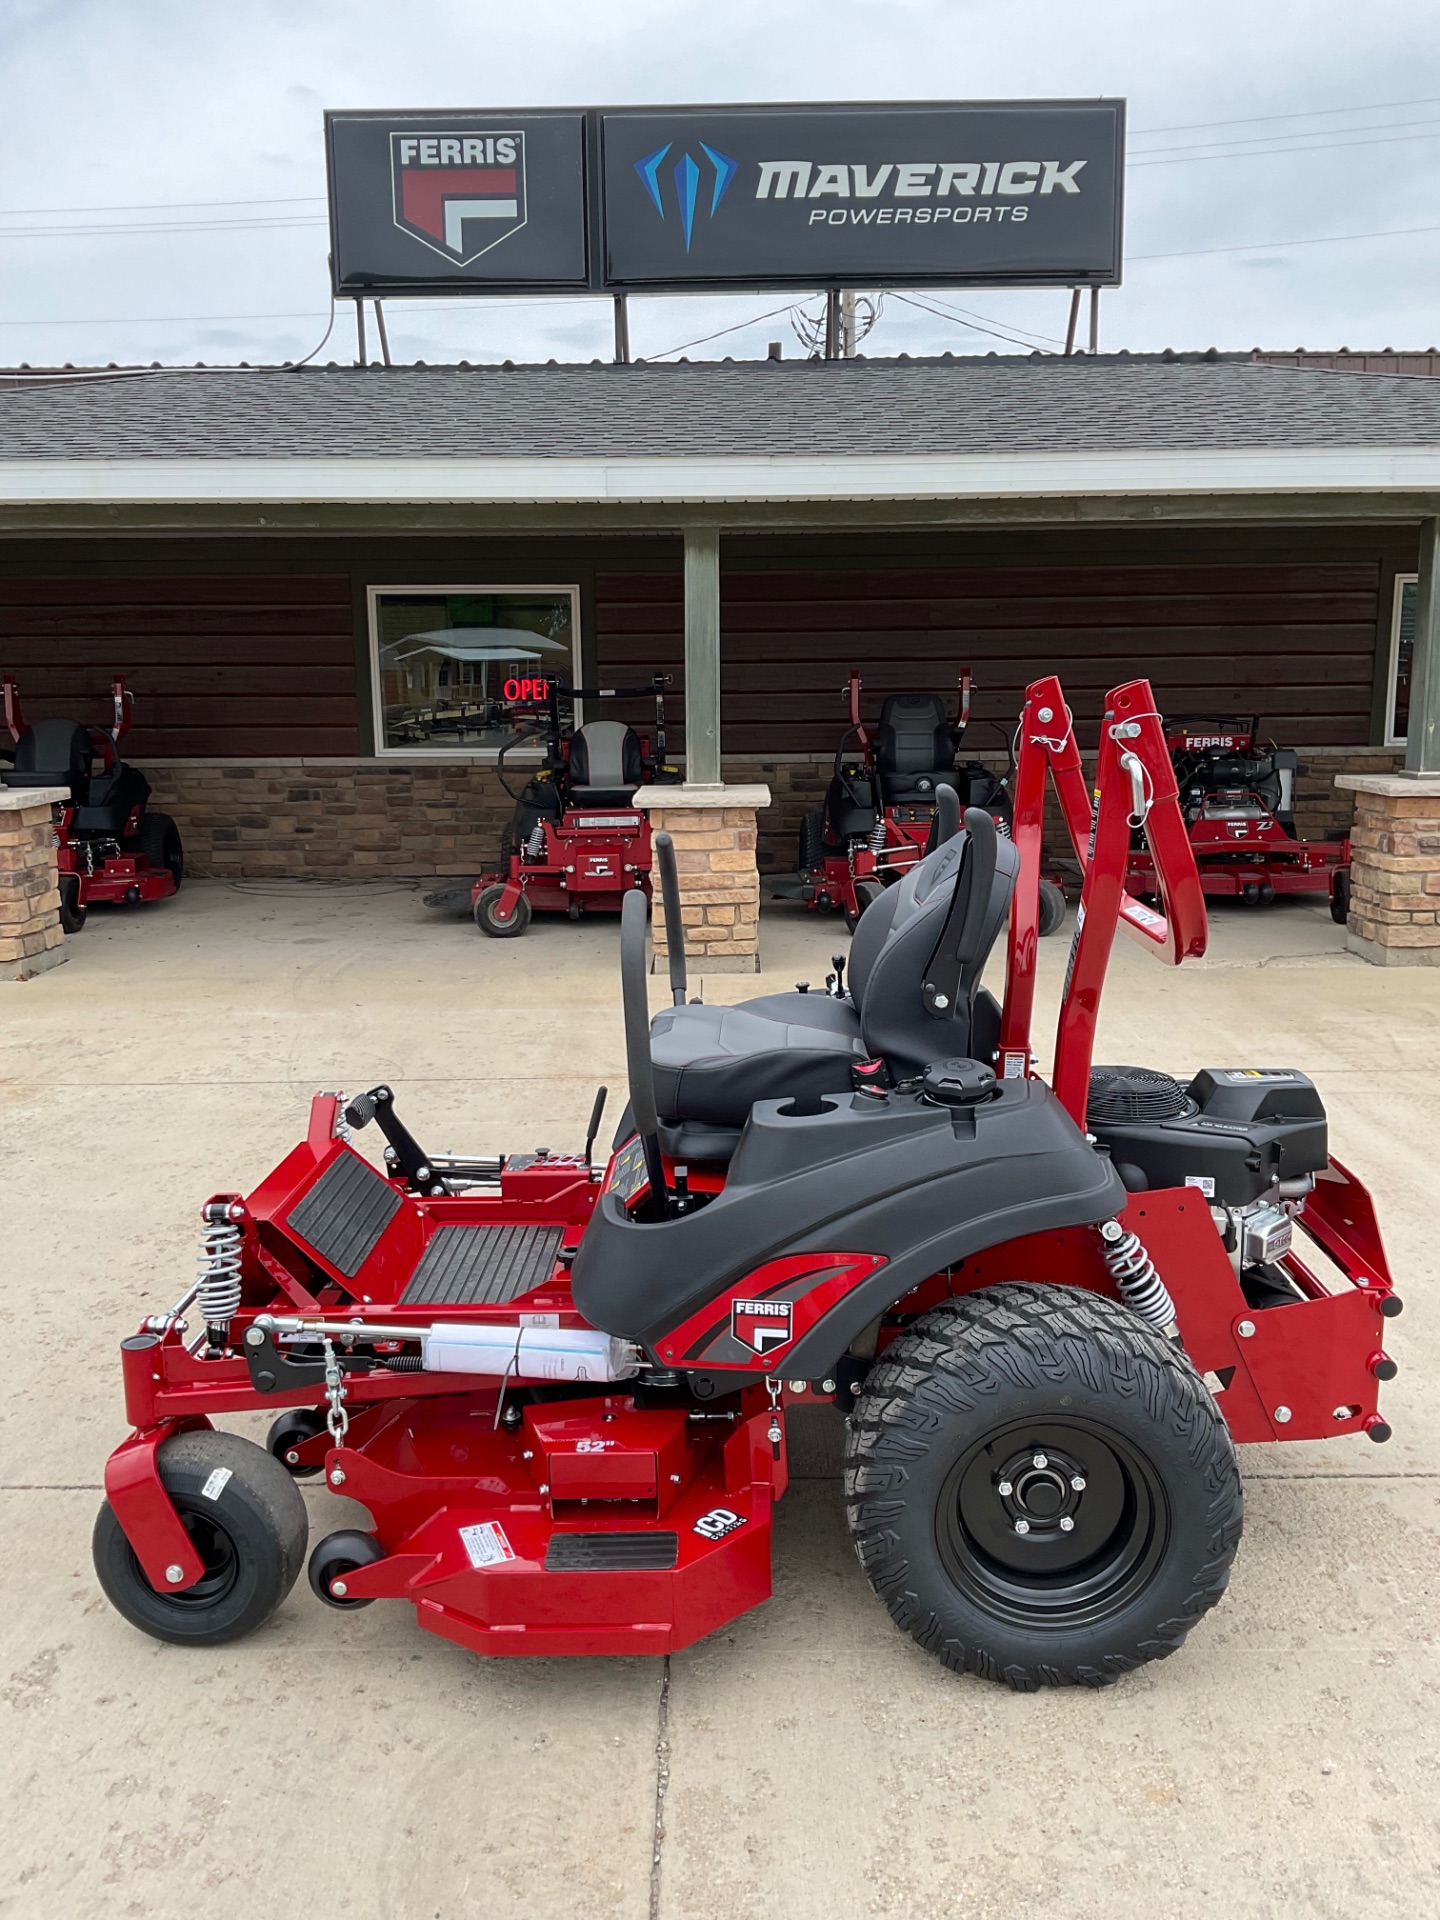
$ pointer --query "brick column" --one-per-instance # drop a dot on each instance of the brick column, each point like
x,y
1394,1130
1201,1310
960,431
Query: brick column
x,y
31,941
1395,869
714,833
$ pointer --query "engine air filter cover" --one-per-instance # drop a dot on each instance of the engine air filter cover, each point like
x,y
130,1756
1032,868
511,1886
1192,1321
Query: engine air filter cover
x,y
1119,1094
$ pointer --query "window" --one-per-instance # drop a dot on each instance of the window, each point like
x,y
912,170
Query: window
x,y
1402,647
440,657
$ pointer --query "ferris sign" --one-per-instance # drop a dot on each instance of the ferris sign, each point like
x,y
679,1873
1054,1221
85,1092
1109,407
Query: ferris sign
x,y
726,198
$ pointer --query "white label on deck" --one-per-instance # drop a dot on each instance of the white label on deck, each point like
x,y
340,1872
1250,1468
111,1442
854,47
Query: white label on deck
x,y
486,1544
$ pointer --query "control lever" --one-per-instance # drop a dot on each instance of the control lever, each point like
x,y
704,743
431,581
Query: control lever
x,y
594,1127
379,1105
837,960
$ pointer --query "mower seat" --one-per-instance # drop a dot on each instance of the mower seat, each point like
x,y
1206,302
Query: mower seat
x,y
713,1063
110,799
53,753
606,764
914,749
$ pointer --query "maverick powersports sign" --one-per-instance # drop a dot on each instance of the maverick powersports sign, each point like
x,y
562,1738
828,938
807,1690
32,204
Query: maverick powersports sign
x,y
727,198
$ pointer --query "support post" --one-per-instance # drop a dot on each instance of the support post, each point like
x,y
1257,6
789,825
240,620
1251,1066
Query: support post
x,y
702,656
1094,319
622,331
832,324
1422,744
384,336
360,329
1073,321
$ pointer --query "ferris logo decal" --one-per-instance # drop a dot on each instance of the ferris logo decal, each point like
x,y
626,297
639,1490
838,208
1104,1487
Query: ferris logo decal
x,y
761,1325
717,1523
1194,740
459,194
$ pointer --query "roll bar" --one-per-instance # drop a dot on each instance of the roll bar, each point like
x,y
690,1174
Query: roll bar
x,y
639,1067
674,920
1135,791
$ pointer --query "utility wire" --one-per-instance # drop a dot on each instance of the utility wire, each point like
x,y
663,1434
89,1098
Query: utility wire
x,y
705,338
1264,119
1270,153
1274,246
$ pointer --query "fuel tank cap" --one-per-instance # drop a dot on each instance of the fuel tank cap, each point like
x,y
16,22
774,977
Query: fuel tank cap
x,y
958,1083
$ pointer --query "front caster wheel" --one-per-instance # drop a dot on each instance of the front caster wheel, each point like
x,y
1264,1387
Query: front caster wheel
x,y
337,1555
1340,898
72,913
1040,1487
247,1521
488,918
867,892
1052,908
288,1433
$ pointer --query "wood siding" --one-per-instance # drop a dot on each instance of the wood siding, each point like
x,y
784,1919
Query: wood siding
x,y
1294,643
224,665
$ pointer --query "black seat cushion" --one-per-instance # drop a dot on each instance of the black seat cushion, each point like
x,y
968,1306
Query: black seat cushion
x,y
606,764
914,747
713,1063
54,753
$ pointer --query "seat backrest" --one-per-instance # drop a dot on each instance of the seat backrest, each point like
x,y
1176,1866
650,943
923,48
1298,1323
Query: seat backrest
x,y
893,945
606,753
914,735
56,753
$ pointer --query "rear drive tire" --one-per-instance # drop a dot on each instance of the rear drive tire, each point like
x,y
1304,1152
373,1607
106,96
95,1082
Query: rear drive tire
x,y
159,841
812,843
72,914
966,1402
508,844
486,921
250,1532
1052,908
867,892
1339,898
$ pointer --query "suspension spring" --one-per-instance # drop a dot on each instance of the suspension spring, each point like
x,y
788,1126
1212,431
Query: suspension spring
x,y
877,838
1135,1276
218,1287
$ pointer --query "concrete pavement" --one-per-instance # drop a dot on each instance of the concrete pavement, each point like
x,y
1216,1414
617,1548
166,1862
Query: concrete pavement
x,y
807,1759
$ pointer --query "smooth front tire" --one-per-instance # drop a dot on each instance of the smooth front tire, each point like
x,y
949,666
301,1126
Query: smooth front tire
x,y
1340,898
72,914
867,892
1041,1488
1052,908
487,920
337,1555
247,1521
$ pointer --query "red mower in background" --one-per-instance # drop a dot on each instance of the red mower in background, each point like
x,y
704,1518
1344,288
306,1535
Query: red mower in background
x,y
880,805
575,843
559,1393
1238,799
111,846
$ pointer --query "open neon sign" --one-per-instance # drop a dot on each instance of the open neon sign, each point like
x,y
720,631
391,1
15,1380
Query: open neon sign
x,y
527,690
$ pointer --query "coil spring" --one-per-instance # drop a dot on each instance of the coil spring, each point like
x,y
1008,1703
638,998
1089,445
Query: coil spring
x,y
218,1291
1136,1278
877,839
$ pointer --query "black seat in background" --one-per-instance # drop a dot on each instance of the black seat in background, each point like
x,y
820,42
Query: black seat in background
x,y
606,764
53,753
914,747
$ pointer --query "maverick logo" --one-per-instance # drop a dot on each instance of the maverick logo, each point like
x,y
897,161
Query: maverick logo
x,y
761,1325
459,194
688,175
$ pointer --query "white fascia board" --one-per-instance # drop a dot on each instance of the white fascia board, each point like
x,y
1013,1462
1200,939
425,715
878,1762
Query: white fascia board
x,y
705,481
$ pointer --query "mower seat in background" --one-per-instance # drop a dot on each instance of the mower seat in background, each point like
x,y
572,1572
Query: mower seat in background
x,y
110,799
713,1063
606,765
914,749
53,753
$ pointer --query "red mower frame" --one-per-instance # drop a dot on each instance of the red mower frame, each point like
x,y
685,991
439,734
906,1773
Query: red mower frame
x,y
635,1516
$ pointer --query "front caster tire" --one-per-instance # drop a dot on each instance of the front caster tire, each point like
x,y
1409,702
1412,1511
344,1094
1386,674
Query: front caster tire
x,y
867,892
247,1520
335,1556
1041,1488
1052,908
72,914
487,918
290,1431
1340,898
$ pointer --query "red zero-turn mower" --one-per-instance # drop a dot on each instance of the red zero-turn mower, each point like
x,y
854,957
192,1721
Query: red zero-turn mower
x,y
1048,1311
1238,799
575,843
110,845
879,809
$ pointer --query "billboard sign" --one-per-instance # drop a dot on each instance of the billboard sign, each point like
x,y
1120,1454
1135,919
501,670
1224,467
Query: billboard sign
x,y
696,199
457,202
1028,194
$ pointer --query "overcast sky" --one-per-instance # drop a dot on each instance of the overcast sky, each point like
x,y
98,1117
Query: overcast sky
x,y
1252,121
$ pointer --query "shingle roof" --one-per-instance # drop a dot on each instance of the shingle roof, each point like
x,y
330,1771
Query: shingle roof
x,y
751,407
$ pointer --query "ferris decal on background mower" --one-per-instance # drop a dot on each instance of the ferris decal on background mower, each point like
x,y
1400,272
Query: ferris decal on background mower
x,y
879,813
1239,804
110,845
1050,1311
576,843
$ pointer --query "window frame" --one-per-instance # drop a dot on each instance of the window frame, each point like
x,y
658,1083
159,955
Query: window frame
x,y
1392,678
484,756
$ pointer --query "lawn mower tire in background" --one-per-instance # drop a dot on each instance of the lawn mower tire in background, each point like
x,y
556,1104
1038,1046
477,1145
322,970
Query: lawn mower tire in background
x,y
559,1392
110,846
879,809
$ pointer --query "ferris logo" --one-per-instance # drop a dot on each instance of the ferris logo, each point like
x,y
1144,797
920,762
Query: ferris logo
x,y
1197,740
459,194
761,1325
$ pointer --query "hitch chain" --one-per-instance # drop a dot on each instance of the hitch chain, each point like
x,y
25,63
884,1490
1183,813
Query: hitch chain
x,y
776,1432
337,1419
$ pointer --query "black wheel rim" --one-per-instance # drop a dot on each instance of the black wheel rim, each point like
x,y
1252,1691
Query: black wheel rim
x,y
1001,1523
219,1558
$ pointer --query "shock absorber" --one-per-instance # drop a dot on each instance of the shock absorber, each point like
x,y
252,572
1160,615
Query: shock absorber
x,y
877,838
218,1285
1136,1278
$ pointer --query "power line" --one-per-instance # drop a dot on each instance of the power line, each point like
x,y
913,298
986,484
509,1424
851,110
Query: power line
x,y
1310,133
202,319
1010,339
1331,146
165,206
1264,119
1274,246
705,338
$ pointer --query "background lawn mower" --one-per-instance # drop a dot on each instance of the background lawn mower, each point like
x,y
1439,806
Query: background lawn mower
x,y
1048,1311
880,805
111,845
575,843
1239,804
